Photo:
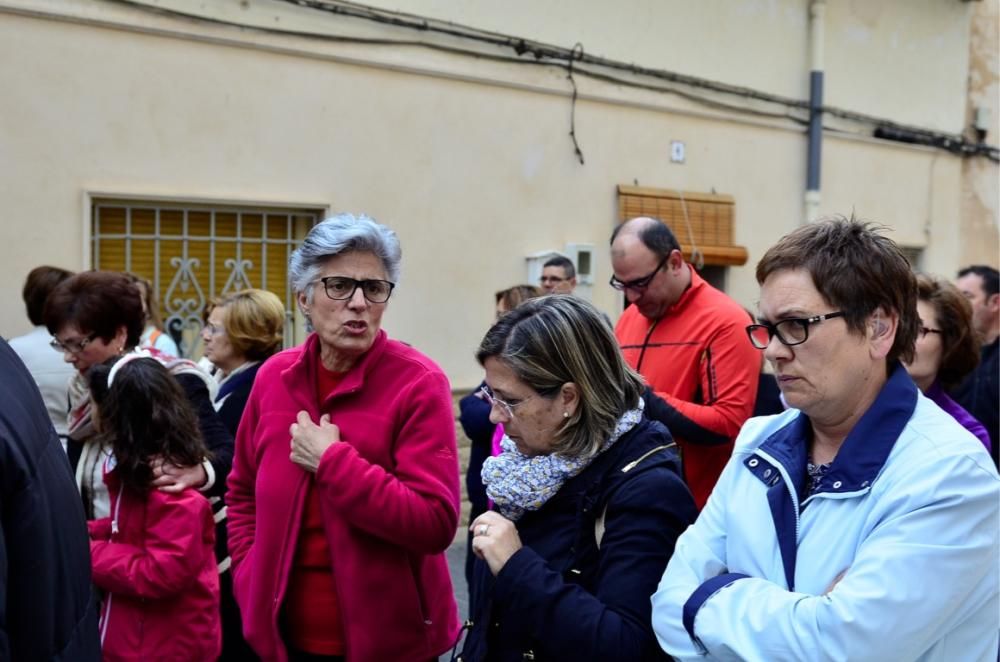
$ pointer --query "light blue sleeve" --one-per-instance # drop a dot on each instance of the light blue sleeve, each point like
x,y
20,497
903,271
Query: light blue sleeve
x,y
166,344
927,566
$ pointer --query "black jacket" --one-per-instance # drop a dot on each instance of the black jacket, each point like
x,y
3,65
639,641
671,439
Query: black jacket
x,y
232,407
979,394
48,608
561,597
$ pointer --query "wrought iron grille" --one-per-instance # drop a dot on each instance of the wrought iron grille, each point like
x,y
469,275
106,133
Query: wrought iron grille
x,y
193,253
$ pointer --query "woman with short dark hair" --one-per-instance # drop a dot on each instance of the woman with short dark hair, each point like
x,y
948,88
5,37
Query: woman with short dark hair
x,y
818,538
946,349
94,316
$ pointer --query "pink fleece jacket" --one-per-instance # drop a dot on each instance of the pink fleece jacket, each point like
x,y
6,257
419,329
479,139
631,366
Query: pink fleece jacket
x,y
388,492
155,560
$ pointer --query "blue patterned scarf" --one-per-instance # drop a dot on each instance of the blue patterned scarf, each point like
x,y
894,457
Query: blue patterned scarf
x,y
517,483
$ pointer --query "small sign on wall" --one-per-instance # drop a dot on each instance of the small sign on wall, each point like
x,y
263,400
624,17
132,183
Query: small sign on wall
x,y
676,151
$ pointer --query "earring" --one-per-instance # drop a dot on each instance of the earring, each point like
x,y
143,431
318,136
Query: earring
x,y
565,414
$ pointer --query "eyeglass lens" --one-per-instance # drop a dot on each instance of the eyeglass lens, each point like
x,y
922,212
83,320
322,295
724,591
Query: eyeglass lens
x,y
789,332
638,283
495,401
71,346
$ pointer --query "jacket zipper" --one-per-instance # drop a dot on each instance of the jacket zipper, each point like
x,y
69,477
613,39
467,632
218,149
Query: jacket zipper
x,y
645,344
634,463
283,583
110,596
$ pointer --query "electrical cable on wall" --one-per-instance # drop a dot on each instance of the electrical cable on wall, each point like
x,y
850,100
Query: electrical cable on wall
x,y
547,55
572,111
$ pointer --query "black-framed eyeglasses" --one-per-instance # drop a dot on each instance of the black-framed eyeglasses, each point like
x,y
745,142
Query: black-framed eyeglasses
x,y
73,347
638,283
552,279
339,288
923,331
790,332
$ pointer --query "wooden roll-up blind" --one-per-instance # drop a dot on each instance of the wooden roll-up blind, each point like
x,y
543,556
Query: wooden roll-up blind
x,y
698,220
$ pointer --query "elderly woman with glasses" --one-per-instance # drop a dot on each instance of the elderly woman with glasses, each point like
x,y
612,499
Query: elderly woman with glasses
x,y
97,315
344,493
241,331
946,350
588,497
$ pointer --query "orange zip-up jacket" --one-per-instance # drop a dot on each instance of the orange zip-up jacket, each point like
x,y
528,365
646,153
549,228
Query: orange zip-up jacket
x,y
699,362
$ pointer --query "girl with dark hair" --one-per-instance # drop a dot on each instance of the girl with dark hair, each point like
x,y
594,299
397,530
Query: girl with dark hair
x,y
154,555
95,316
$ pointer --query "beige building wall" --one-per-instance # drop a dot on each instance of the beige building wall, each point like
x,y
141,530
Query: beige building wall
x,y
899,60
979,222
468,159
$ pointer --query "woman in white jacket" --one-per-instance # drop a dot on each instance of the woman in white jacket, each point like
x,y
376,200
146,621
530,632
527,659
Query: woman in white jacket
x,y
861,523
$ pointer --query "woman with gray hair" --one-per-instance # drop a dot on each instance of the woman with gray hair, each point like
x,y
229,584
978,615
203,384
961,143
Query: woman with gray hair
x,y
338,534
587,492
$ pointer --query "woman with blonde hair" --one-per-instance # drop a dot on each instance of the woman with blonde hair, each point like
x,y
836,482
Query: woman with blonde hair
x,y
587,493
512,297
243,329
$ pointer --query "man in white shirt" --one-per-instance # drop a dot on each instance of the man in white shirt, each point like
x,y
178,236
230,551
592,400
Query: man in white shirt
x,y
45,364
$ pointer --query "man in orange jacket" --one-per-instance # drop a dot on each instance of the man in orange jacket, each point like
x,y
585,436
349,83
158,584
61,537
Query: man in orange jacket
x,y
688,340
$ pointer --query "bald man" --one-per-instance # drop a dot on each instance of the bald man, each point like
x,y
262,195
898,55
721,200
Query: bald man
x,y
688,340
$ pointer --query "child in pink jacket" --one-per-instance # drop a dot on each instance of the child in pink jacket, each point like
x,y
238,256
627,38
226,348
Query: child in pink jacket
x,y
154,556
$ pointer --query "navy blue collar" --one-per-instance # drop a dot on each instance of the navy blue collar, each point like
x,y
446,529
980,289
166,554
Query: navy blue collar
x,y
859,461
237,381
867,446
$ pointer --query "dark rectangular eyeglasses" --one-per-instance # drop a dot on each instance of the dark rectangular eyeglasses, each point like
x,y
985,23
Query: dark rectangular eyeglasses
x,y
790,332
638,283
339,288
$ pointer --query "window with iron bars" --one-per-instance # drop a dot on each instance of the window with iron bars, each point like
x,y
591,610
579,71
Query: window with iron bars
x,y
193,253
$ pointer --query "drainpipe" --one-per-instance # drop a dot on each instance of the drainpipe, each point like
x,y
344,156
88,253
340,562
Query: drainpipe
x,y
817,13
